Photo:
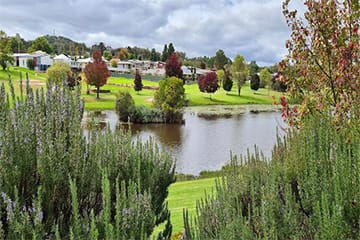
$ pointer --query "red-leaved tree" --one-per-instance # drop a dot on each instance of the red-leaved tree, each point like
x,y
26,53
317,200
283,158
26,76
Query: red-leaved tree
x,y
96,72
208,83
138,82
322,68
173,67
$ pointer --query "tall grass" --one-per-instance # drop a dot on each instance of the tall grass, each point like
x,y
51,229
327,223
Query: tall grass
x,y
57,183
310,190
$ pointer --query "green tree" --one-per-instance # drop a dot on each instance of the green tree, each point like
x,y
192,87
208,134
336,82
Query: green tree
x,y
107,55
323,61
58,72
154,55
41,43
255,82
97,72
5,54
220,76
17,44
220,59
124,105
239,71
171,49
265,78
113,64
170,98
228,82
253,68
165,54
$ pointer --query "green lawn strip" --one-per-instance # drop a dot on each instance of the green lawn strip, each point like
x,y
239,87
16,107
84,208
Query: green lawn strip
x,y
184,195
145,97
15,74
221,97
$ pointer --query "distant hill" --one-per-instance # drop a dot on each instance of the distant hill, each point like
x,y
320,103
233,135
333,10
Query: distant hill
x,y
67,46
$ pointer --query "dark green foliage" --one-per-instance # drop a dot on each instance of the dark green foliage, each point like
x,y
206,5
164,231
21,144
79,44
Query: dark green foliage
x,y
165,55
66,46
220,60
253,68
255,82
42,146
124,105
127,111
137,82
42,44
308,191
227,83
141,114
30,64
171,49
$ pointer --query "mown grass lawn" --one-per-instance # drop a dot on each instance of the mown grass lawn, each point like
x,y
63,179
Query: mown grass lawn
x,y
145,97
184,195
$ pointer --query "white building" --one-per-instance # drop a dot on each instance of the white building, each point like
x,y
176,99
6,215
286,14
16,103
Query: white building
x,y
41,60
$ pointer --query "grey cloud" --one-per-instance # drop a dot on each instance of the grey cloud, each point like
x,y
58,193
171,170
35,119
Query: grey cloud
x,y
253,28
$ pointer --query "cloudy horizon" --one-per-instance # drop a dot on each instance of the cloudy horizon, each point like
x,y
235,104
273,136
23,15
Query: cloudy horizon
x,y
255,29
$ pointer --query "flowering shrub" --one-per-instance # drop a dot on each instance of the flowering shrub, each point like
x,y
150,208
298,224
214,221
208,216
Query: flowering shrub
x,y
57,183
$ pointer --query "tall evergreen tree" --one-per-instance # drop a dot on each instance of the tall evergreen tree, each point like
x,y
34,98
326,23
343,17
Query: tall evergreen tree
x,y
171,49
165,55
227,82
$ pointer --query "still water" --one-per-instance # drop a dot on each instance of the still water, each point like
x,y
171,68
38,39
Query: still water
x,y
205,143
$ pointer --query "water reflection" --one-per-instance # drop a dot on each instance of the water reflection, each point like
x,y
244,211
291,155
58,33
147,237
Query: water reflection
x,y
204,143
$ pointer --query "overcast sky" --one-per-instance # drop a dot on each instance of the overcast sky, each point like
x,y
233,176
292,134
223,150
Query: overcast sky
x,y
253,28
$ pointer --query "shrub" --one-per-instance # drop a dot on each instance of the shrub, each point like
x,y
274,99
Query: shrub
x,y
255,82
170,98
30,64
113,179
141,114
307,191
124,105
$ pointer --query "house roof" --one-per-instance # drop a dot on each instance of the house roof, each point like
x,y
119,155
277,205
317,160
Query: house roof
x,y
62,57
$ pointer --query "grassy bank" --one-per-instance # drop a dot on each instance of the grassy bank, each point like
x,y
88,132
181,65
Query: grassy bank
x,y
145,97
184,195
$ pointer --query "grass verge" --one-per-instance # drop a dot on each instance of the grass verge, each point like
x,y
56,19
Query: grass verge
x,y
145,97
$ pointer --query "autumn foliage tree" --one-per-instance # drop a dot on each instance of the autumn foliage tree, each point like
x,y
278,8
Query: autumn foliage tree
x,y
96,72
138,82
173,67
322,65
208,83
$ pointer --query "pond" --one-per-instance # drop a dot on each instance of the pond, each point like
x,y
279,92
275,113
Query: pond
x,y
205,143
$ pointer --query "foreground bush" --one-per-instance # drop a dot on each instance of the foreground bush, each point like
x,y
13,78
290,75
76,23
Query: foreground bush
x,y
310,190
57,183
127,111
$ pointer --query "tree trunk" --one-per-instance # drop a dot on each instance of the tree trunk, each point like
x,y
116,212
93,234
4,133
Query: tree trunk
x,y
97,92
239,90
